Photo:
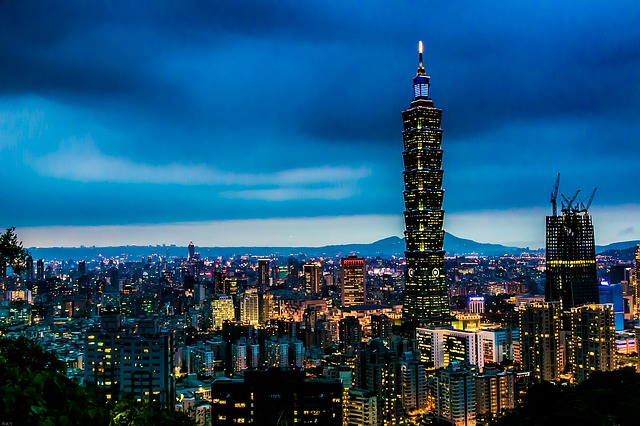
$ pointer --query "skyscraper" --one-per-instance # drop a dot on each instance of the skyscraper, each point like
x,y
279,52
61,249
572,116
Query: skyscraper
x,y
263,273
352,276
571,277
426,301
191,251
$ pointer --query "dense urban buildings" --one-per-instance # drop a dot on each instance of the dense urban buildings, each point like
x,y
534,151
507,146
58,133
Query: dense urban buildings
x,y
345,338
426,300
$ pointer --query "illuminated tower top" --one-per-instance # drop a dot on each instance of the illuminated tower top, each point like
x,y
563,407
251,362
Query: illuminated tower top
x,y
421,80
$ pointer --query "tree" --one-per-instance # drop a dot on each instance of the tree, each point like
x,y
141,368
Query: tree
x,y
33,390
11,251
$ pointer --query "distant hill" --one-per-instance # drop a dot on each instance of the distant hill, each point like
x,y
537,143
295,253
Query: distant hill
x,y
618,246
391,246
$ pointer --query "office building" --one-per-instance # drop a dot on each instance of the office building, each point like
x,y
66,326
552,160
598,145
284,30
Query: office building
x,y
353,281
475,305
540,349
250,307
264,266
571,277
439,347
426,300
222,310
593,340
191,251
312,277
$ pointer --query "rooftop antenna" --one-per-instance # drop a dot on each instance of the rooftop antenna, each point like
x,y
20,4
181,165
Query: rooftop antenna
x,y
421,70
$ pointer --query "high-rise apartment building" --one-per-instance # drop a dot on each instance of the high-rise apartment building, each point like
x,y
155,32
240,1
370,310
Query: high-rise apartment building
x,y
540,325
138,361
452,391
426,301
495,393
353,281
362,408
593,338
571,277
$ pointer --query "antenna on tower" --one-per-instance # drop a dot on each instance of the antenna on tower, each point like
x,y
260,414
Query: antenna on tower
x,y
554,196
421,70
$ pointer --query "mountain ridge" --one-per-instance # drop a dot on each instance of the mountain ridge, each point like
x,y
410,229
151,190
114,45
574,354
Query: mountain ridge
x,y
390,246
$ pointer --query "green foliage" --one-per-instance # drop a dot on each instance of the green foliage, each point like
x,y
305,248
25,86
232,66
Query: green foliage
x,y
11,251
606,398
28,354
34,391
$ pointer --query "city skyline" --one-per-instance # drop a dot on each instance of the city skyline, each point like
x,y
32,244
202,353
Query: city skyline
x,y
259,123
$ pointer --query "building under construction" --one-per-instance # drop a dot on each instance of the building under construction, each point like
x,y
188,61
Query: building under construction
x,y
571,277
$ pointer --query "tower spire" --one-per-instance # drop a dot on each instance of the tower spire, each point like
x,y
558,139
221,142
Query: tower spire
x,y
421,70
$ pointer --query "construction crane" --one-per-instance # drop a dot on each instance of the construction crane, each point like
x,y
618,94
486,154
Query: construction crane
x,y
554,196
569,202
584,207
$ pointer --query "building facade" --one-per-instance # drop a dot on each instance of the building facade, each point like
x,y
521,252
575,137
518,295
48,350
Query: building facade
x,y
276,396
593,338
137,361
452,393
540,325
353,281
426,301
571,276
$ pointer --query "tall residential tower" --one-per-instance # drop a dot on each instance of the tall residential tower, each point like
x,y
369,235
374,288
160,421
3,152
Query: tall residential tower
x,y
426,301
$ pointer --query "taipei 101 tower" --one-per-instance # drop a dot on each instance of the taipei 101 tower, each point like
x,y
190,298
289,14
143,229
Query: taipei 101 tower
x,y
426,303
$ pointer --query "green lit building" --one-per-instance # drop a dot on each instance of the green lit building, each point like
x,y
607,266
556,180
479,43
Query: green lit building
x,y
426,300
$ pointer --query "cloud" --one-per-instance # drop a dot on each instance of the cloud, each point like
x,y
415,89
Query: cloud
x,y
287,194
19,125
81,160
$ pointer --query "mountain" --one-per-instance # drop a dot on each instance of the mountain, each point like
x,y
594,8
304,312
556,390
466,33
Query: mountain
x,y
391,246
618,246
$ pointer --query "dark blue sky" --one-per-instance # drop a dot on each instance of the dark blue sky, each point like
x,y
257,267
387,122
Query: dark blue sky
x,y
218,122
